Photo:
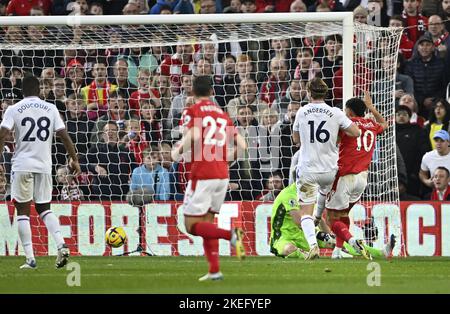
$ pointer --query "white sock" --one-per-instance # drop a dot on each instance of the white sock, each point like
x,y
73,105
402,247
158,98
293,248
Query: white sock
x,y
351,241
320,205
23,223
53,226
309,229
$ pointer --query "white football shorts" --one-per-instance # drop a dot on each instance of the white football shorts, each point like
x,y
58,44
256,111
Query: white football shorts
x,y
347,189
309,184
27,186
204,196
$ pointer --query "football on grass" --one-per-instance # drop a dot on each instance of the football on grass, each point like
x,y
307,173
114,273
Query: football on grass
x,y
115,236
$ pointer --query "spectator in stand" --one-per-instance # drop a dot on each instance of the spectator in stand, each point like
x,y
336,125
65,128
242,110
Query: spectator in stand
x,y
162,84
428,73
268,139
288,148
234,7
439,119
413,144
151,176
406,44
295,93
276,85
95,8
68,189
377,13
248,6
409,101
117,112
403,83
360,15
134,139
178,102
446,13
244,67
416,23
3,4
441,185
78,125
440,37
172,168
332,60
298,6
150,124
96,94
12,58
230,78
124,87
176,65
430,7
57,95
439,157
204,68
110,164
138,59
84,6
145,91
24,7
75,77
307,68
274,185
248,97
269,6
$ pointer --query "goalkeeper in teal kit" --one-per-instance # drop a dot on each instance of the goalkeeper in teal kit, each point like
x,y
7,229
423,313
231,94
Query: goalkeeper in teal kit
x,y
288,240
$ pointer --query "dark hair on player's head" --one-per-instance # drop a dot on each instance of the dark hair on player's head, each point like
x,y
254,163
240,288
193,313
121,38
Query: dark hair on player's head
x,y
202,86
357,105
445,169
30,86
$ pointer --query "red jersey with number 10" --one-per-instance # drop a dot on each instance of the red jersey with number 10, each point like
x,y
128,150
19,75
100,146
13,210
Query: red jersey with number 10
x,y
209,155
355,153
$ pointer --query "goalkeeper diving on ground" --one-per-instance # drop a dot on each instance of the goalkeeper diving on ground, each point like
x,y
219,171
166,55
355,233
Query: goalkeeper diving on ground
x,y
288,240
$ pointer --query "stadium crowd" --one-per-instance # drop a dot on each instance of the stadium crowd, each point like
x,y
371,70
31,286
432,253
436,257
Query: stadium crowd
x,y
122,106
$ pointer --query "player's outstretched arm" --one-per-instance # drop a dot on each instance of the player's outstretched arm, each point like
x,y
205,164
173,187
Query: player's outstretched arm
x,y
70,148
378,117
296,138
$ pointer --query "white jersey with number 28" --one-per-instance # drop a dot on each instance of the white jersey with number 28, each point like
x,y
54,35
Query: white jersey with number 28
x,y
34,121
318,125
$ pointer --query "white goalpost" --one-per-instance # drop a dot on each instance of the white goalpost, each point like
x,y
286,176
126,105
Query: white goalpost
x,y
135,71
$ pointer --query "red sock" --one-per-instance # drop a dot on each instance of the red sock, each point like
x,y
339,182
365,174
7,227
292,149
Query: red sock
x,y
341,230
211,247
208,230
339,242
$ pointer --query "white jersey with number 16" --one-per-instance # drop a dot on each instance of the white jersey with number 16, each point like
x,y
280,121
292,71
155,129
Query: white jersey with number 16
x,y
34,121
318,125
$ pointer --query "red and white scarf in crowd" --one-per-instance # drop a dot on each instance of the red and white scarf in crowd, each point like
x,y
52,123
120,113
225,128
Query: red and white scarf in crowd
x,y
441,39
94,90
436,197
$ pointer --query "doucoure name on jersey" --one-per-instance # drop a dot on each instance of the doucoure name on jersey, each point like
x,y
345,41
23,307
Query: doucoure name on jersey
x,y
211,108
318,110
24,107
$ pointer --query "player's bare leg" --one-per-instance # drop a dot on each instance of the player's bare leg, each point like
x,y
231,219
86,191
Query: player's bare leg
x,y
54,228
204,227
24,228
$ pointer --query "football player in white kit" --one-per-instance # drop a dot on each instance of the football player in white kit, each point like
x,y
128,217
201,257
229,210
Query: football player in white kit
x,y
34,121
316,129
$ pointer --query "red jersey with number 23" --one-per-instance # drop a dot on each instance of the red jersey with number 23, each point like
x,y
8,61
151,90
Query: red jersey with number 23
x,y
355,153
209,155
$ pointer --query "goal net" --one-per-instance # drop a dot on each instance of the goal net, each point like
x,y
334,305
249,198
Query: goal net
x,y
121,87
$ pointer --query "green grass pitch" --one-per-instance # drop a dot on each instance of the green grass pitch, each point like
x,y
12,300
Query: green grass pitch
x,y
254,275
